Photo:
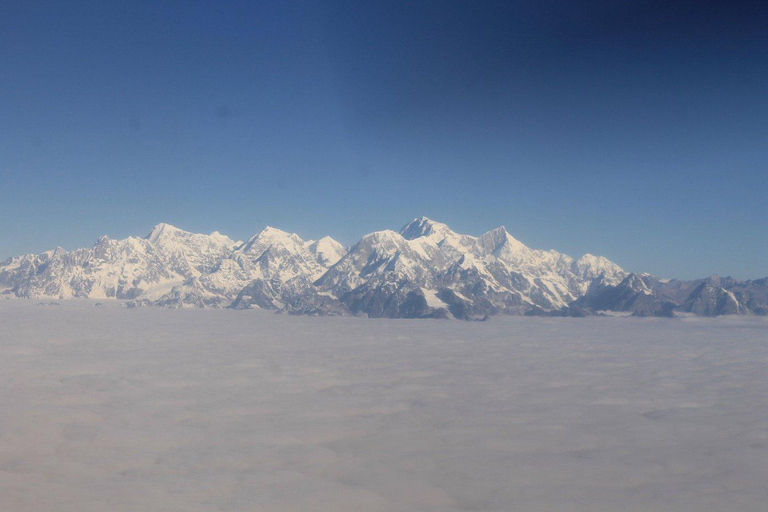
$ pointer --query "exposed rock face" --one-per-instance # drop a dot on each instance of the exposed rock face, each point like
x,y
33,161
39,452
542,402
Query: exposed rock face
x,y
645,295
633,294
425,270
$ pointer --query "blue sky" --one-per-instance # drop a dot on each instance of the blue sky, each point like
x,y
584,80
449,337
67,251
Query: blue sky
x,y
635,130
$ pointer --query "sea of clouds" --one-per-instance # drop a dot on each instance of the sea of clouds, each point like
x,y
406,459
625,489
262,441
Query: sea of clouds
x,y
108,408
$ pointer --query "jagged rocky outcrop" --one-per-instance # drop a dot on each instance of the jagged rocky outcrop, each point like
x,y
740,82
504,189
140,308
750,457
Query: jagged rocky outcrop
x,y
425,270
633,294
646,295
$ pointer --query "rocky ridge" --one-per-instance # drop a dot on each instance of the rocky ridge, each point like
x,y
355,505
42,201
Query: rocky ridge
x,y
425,270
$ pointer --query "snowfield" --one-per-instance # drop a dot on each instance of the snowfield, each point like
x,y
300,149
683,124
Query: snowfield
x,y
115,409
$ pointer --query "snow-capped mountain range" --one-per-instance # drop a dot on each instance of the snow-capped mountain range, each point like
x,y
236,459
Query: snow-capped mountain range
x,y
425,270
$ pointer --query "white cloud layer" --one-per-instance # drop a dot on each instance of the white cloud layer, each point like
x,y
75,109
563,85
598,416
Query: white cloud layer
x,y
150,409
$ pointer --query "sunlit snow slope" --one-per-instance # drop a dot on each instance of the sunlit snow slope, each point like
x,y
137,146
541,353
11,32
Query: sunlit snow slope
x,y
425,270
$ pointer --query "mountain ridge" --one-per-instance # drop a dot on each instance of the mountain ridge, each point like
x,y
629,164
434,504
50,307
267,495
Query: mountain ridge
x,y
424,270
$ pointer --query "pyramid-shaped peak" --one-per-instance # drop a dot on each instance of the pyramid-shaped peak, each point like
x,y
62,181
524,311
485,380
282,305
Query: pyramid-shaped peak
x,y
499,242
589,258
162,229
274,232
324,242
591,261
495,236
269,236
424,226
499,231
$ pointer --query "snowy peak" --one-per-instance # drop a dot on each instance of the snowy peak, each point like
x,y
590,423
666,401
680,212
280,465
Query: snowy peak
x,y
326,251
270,233
189,254
424,271
498,242
163,230
385,235
428,231
268,236
422,227
167,236
636,284
274,254
592,267
385,243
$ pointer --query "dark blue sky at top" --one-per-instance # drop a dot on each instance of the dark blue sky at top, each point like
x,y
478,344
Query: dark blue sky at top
x,y
635,130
